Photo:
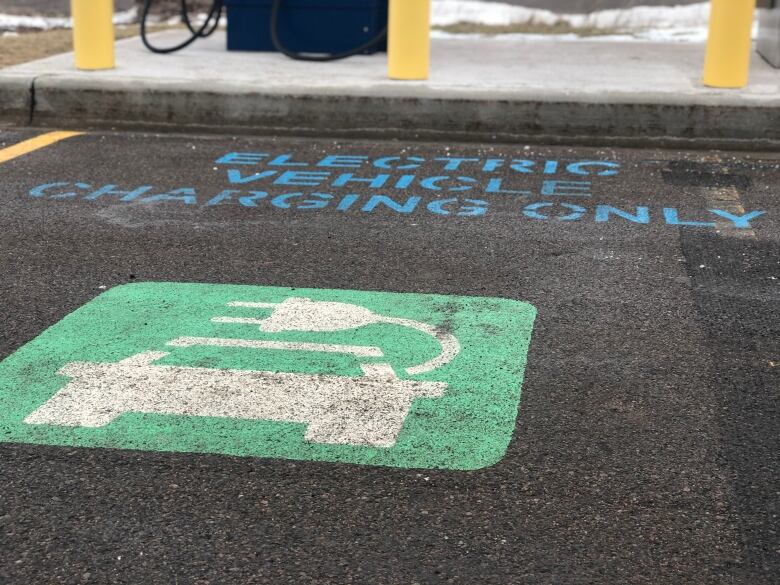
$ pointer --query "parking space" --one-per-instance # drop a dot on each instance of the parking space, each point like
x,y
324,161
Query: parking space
x,y
550,364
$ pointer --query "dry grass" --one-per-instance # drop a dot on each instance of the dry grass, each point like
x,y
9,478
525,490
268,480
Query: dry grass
x,y
559,28
29,46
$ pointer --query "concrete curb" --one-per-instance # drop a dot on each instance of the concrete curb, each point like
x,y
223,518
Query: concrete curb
x,y
16,99
505,90
488,90
74,102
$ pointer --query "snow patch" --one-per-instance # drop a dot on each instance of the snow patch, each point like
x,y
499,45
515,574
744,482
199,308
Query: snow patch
x,y
449,12
682,23
645,23
12,22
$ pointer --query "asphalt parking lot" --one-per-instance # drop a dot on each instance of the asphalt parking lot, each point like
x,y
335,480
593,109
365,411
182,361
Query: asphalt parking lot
x,y
645,447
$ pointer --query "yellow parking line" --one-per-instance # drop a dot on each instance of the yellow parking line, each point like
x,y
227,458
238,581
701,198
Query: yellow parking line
x,y
34,144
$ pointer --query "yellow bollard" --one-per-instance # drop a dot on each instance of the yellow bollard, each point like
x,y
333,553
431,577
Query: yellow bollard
x,y
409,39
93,33
727,61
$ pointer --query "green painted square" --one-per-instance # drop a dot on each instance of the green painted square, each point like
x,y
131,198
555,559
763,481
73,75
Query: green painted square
x,y
375,378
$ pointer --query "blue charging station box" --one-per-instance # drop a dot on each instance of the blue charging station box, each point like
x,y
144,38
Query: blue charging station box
x,y
306,26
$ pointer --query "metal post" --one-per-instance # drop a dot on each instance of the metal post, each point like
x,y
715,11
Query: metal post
x,y
409,39
727,61
93,33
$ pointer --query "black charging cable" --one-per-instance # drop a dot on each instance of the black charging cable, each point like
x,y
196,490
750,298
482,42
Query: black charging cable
x,y
208,27
212,22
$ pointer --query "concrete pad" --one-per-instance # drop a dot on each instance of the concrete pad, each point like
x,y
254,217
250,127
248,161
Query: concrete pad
x,y
478,86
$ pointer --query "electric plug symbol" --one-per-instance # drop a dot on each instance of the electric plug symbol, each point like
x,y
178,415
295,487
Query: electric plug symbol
x,y
304,314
